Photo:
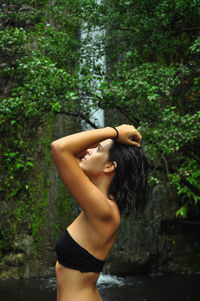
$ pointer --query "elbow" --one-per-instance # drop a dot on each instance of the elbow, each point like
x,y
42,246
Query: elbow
x,y
54,146
55,151
58,147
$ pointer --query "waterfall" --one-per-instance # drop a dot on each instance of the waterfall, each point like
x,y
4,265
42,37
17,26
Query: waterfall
x,y
93,58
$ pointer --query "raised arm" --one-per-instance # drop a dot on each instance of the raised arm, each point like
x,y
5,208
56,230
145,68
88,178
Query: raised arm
x,y
79,142
65,151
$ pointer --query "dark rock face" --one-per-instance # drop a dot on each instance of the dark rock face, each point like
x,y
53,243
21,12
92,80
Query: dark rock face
x,y
158,242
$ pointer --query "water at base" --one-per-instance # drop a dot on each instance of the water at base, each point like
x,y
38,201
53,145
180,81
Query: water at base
x,y
141,288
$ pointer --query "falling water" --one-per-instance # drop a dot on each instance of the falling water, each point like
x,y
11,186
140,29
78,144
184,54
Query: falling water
x,y
92,58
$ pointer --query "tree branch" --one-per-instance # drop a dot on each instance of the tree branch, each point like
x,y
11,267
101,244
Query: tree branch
x,y
79,115
187,29
123,111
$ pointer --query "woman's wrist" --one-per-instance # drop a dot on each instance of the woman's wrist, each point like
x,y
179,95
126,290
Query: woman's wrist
x,y
112,132
117,133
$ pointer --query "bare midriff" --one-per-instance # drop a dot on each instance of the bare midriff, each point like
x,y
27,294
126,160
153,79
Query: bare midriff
x,y
73,285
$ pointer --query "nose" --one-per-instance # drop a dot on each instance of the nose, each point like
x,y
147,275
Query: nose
x,y
89,151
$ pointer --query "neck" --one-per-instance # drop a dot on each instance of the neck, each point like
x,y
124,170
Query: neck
x,y
102,182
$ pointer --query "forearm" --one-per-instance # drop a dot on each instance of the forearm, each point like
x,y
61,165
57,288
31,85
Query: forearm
x,y
79,142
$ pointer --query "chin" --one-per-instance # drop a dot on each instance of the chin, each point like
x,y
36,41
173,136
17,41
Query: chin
x,y
90,174
83,169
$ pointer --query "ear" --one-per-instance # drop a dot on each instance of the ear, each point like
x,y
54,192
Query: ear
x,y
109,166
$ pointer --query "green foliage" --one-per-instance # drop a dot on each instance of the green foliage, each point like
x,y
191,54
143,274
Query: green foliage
x,y
152,79
13,40
45,87
38,73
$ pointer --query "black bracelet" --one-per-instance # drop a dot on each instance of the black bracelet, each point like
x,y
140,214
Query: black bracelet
x,y
116,132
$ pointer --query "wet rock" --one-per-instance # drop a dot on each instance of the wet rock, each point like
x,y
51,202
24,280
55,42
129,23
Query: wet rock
x,y
23,243
20,258
122,265
9,273
13,260
10,260
157,242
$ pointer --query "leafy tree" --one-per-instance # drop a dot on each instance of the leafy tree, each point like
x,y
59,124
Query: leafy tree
x,y
152,54
152,78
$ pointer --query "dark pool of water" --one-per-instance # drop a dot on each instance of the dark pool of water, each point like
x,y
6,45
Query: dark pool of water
x,y
146,288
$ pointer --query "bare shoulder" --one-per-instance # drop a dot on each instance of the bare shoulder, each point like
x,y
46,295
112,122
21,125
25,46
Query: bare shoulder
x,y
111,221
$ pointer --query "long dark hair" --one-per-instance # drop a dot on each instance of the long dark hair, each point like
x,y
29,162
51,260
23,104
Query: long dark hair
x,y
129,184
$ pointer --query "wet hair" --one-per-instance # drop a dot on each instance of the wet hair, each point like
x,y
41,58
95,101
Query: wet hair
x,y
129,185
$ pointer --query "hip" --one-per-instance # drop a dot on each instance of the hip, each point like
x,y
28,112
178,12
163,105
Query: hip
x,y
73,285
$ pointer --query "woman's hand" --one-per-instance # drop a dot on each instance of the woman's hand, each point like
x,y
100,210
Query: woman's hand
x,y
129,135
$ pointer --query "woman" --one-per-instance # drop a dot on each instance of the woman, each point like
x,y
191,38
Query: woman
x,y
103,175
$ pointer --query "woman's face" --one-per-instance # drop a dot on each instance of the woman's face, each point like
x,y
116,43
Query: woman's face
x,y
93,163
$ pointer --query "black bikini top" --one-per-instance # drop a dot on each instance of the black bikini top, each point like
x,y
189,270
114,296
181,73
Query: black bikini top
x,y
71,255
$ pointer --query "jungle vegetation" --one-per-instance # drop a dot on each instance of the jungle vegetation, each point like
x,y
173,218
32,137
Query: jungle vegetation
x,y
152,78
